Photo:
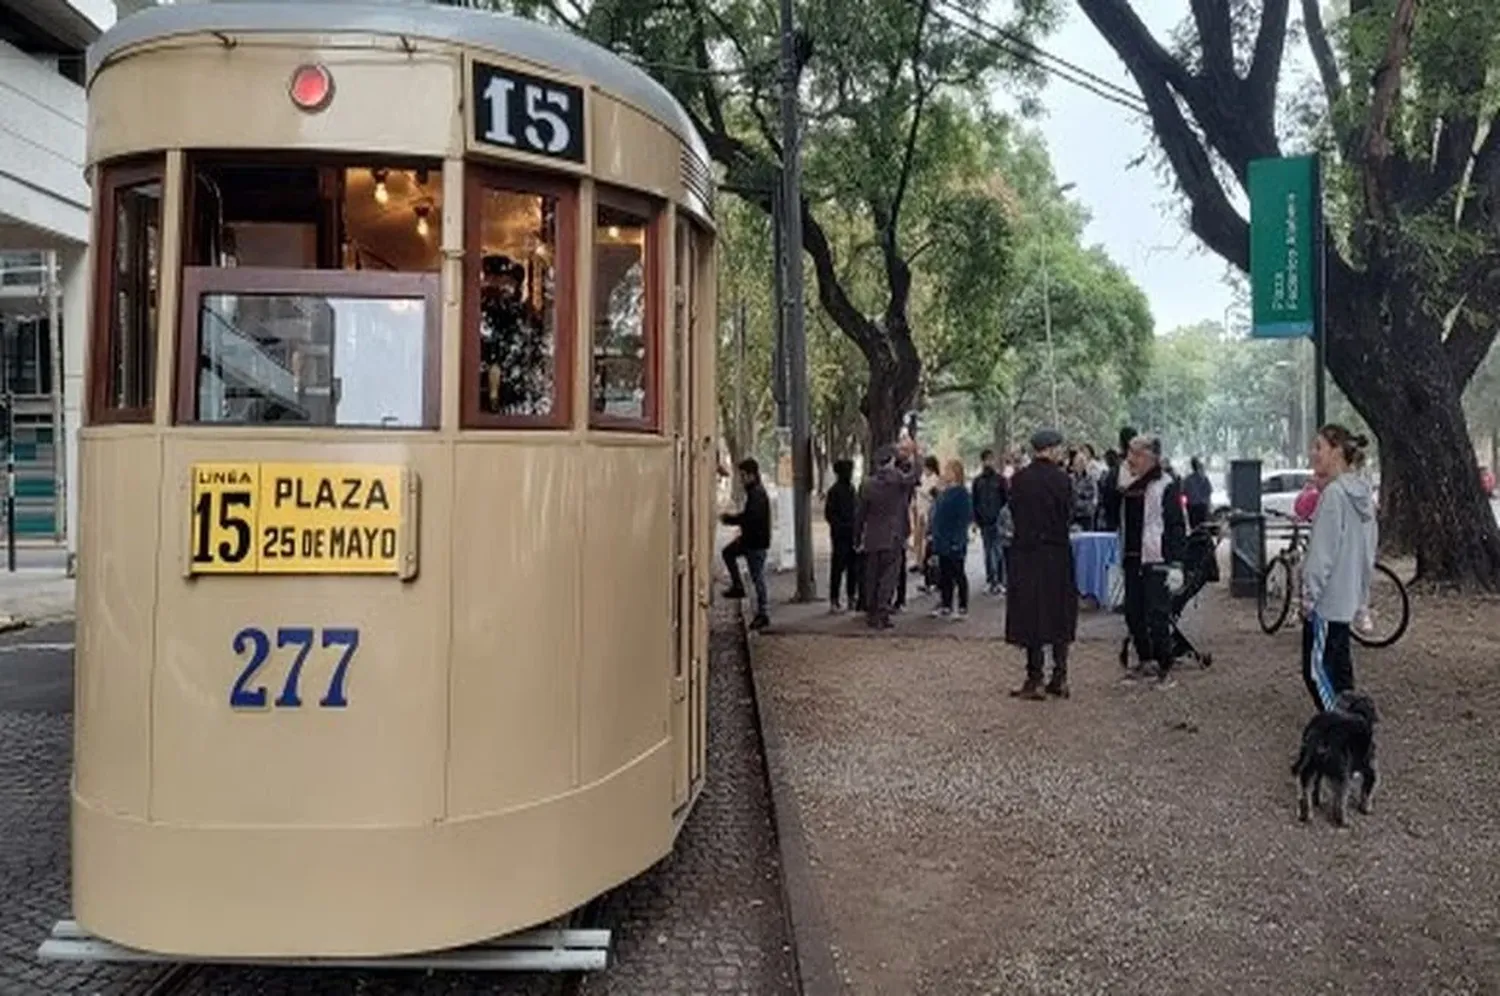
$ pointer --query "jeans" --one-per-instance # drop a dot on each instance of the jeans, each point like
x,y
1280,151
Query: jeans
x,y
951,576
1148,613
845,567
756,561
994,558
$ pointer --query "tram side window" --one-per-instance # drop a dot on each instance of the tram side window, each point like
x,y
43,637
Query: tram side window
x,y
312,297
623,375
516,344
130,273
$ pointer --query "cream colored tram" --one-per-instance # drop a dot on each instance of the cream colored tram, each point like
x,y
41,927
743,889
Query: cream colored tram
x,y
396,479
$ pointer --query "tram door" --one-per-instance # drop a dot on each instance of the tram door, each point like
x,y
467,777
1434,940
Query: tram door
x,y
682,516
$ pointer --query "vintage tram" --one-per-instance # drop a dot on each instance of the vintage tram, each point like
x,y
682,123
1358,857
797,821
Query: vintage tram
x,y
396,479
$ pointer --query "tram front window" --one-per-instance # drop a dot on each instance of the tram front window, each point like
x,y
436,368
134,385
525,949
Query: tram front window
x,y
311,295
311,359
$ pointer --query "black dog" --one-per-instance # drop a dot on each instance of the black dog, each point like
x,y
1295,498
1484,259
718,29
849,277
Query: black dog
x,y
1335,745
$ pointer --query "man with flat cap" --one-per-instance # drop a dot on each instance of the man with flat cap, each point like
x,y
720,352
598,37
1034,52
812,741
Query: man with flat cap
x,y
882,524
1041,603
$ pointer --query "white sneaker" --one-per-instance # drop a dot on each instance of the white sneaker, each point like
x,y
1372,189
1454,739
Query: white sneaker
x,y
940,613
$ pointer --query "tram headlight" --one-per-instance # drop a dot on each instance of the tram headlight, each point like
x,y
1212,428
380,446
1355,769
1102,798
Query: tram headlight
x,y
311,88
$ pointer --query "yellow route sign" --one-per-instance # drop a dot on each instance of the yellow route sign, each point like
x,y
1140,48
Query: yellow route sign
x,y
302,518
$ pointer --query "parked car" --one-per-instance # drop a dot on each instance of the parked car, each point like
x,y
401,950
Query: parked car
x,y
1280,488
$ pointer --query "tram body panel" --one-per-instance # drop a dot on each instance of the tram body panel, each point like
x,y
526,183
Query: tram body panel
x,y
281,756
628,149
627,649
507,743
120,470
146,107
516,634
300,891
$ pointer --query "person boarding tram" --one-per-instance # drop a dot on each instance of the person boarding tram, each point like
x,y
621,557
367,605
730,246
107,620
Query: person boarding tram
x,y
753,542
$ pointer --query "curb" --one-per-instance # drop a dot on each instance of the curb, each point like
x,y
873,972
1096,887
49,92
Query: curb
x,y
9,624
817,975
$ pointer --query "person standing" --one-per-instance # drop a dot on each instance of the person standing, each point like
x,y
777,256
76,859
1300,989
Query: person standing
x,y
1200,495
990,493
952,517
1339,564
884,517
1041,603
840,511
1154,534
753,542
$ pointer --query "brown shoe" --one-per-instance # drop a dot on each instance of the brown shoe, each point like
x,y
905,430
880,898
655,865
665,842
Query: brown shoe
x,y
1031,691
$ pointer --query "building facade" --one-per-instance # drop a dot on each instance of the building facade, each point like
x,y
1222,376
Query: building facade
x,y
44,236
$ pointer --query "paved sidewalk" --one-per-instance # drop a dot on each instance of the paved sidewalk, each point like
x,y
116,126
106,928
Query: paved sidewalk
x,y
35,595
1132,840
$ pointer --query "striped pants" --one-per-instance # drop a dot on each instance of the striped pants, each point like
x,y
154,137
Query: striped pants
x,y
1327,667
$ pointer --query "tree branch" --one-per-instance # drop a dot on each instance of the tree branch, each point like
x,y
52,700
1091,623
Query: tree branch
x,y
1213,217
1377,146
1214,34
1270,47
909,155
1322,53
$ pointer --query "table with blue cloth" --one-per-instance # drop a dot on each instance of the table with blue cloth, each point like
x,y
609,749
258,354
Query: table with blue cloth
x,y
1093,553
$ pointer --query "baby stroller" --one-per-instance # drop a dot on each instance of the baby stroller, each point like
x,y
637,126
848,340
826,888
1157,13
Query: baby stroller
x,y
1199,563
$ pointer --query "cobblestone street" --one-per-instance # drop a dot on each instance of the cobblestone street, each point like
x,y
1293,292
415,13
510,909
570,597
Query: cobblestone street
x,y
708,919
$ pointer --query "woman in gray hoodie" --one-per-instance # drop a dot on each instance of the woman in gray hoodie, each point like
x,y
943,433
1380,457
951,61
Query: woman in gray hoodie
x,y
1340,560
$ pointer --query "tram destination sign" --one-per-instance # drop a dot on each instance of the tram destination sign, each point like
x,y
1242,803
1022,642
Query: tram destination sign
x,y
302,518
527,113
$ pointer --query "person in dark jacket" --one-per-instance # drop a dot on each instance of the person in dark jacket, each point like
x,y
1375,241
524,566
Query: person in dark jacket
x,y
885,519
1041,604
990,493
1200,495
952,518
753,542
1153,535
841,512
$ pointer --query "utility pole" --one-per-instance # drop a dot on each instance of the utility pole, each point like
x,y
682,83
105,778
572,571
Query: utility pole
x,y
796,332
59,432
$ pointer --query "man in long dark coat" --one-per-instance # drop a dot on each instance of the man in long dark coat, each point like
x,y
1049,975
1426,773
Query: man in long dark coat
x,y
1041,604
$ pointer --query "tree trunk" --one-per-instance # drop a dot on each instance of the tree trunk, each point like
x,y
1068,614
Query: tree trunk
x,y
888,397
1431,501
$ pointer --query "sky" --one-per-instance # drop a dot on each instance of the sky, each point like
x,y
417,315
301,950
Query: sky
x,y
1137,215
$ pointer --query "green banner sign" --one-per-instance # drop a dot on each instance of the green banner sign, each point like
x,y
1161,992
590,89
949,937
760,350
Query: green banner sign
x,y
1283,211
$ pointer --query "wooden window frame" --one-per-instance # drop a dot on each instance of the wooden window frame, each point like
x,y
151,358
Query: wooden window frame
x,y
114,177
653,334
200,280
477,179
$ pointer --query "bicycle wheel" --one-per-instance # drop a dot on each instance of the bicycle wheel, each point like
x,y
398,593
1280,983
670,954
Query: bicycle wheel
x,y
1275,596
1390,611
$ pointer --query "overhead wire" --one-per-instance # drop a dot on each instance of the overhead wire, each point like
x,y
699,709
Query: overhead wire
x,y
1032,55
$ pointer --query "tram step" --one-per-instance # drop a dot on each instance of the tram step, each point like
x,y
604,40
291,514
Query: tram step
x,y
544,950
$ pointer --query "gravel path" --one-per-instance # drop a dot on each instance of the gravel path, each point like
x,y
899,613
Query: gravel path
x,y
1136,841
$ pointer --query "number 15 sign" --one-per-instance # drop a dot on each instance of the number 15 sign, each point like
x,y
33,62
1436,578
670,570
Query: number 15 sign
x,y
527,113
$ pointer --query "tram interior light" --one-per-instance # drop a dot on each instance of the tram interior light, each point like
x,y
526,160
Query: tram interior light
x,y
382,195
423,210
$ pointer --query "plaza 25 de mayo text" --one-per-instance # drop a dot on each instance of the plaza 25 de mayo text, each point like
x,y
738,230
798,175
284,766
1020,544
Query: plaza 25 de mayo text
x,y
279,518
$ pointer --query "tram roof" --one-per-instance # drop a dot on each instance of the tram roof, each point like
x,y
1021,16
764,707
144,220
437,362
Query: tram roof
x,y
529,40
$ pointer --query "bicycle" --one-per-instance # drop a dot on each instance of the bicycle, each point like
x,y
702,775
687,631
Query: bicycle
x,y
1281,586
